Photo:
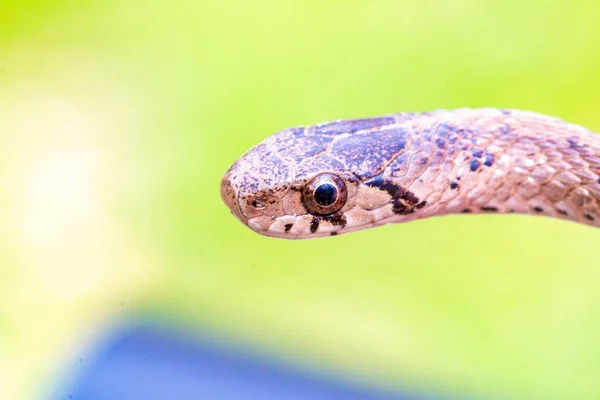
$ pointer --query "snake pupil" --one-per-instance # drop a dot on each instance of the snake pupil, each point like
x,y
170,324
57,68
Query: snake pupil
x,y
326,194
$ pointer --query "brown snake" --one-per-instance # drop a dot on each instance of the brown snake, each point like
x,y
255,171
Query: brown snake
x,y
342,176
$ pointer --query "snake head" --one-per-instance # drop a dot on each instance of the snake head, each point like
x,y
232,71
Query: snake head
x,y
303,182
274,190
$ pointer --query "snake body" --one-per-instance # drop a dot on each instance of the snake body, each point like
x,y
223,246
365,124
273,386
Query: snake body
x,y
341,176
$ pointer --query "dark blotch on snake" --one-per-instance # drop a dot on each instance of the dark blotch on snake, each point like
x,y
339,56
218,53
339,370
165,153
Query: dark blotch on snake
x,y
287,227
573,143
562,212
410,198
589,216
538,209
337,219
492,209
453,185
466,211
440,143
400,208
384,145
474,165
444,129
489,160
385,184
333,234
477,152
314,225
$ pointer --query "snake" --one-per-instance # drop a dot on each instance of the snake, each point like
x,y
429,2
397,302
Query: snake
x,y
347,175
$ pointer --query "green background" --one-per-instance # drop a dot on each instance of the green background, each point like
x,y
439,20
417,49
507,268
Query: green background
x,y
118,119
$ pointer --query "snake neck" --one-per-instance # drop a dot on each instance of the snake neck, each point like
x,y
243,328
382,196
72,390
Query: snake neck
x,y
474,161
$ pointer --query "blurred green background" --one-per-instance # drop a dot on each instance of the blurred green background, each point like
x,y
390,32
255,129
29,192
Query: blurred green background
x,y
118,119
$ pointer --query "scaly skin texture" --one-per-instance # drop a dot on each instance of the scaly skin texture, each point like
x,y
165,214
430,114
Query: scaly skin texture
x,y
402,167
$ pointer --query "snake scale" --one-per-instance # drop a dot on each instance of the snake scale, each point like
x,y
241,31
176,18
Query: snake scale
x,y
342,176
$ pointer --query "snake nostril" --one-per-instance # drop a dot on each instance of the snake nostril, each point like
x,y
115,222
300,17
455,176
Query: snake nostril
x,y
258,203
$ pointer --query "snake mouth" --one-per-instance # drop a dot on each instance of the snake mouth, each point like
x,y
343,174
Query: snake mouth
x,y
229,197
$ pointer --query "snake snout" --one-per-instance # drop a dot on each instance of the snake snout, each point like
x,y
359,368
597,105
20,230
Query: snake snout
x,y
229,196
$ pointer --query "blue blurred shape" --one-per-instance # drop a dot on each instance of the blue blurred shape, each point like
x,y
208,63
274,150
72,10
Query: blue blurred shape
x,y
155,364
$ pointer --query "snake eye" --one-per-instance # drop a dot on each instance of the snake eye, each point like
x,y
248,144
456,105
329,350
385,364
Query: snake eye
x,y
325,194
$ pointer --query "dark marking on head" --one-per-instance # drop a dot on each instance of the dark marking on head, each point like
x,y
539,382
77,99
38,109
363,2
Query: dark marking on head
x,y
477,152
351,126
491,209
489,160
410,198
453,185
388,185
538,209
589,216
398,207
384,146
314,166
562,212
314,225
474,164
400,164
401,209
421,204
303,145
337,219
287,227
466,211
